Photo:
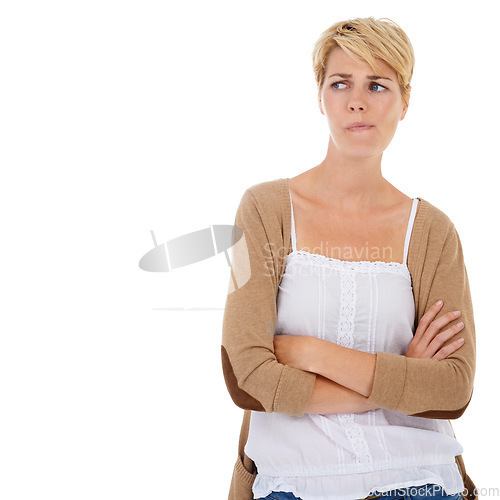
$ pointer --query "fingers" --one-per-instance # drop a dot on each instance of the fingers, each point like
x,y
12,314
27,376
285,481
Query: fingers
x,y
429,326
442,337
437,324
427,318
428,340
447,350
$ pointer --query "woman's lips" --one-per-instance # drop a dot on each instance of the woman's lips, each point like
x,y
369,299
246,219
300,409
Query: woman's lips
x,y
359,129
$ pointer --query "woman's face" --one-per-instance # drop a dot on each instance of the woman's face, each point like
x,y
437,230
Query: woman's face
x,y
357,96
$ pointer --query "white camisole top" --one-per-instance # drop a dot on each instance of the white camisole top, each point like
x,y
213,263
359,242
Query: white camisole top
x,y
368,306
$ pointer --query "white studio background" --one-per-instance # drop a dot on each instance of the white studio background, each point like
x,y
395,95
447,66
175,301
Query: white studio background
x,y
118,118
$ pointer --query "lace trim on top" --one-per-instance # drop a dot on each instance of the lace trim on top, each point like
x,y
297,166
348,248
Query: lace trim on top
x,y
364,266
345,337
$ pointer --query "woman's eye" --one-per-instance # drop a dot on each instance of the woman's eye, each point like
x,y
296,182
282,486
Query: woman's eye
x,y
377,85
337,83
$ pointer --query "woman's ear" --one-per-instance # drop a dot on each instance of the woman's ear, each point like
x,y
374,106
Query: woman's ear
x,y
405,108
320,104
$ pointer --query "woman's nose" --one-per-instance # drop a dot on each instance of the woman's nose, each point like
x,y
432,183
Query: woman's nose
x,y
356,101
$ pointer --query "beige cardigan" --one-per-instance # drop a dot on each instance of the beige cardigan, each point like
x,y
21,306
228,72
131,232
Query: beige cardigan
x,y
257,381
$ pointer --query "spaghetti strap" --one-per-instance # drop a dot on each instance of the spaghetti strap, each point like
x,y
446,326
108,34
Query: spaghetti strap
x,y
294,240
410,227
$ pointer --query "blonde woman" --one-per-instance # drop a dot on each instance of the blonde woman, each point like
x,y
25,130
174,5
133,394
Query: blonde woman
x,y
348,334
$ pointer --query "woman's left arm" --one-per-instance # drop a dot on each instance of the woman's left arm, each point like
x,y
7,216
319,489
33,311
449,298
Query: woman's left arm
x,y
427,387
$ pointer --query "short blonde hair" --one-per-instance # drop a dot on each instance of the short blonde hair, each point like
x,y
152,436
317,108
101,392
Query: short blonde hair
x,y
368,38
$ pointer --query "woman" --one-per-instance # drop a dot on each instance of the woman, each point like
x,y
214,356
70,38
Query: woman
x,y
346,364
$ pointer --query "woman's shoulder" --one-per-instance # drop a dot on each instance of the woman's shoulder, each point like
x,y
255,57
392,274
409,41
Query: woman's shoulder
x,y
432,226
433,215
268,195
269,188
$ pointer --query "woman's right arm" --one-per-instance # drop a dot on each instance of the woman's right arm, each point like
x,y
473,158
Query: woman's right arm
x,y
254,378
329,397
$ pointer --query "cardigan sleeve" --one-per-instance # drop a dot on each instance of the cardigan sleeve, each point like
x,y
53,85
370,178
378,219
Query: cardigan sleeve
x,y
253,376
428,387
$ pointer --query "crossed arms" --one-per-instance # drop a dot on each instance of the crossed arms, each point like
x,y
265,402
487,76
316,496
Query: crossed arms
x,y
257,380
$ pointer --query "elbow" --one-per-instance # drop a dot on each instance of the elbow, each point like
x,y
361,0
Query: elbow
x,y
442,414
451,413
455,392
240,397
460,411
264,384
455,413
461,403
463,387
457,395
448,400
253,376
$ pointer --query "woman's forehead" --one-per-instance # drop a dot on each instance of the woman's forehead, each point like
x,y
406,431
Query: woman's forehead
x,y
342,62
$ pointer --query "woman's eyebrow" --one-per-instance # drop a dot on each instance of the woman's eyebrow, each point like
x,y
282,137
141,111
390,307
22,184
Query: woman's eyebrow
x,y
369,77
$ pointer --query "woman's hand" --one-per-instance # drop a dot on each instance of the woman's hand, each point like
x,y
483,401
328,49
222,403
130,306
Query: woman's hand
x,y
295,350
427,341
